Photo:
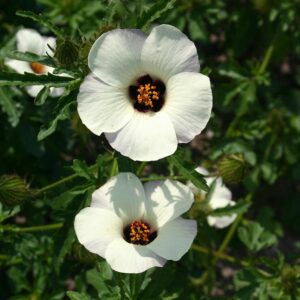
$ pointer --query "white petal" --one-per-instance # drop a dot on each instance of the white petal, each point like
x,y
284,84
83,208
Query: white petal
x,y
101,107
129,258
49,41
96,228
19,66
188,103
167,200
115,57
224,221
30,40
167,51
221,196
33,90
56,92
174,239
202,171
147,136
124,195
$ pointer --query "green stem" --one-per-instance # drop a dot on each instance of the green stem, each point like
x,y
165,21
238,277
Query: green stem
x,y
48,227
145,179
60,182
220,255
141,168
231,231
266,59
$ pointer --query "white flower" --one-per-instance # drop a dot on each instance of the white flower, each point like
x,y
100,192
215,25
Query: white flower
x,y
145,92
29,40
136,227
220,198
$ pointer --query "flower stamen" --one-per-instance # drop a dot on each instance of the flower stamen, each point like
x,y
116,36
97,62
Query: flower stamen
x,y
146,94
139,233
37,68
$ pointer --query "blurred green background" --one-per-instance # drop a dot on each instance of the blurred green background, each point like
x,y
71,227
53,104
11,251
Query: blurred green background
x,y
251,52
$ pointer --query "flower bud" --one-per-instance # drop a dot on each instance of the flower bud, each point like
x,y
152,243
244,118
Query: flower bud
x,y
82,255
232,168
85,48
67,52
13,190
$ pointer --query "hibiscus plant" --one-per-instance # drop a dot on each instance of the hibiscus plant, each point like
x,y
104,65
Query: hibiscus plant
x,y
149,149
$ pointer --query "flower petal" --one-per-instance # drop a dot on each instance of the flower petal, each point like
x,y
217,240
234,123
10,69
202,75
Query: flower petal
x,y
129,258
221,196
101,107
146,137
124,195
167,51
224,221
30,40
19,66
49,41
96,228
33,90
115,57
167,200
189,104
174,239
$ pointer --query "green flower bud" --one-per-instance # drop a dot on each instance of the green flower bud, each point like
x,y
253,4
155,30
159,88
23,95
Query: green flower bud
x,y
85,48
82,255
67,52
13,190
232,168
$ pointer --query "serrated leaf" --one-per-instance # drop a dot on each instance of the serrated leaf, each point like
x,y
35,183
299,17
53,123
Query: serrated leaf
x,y
8,105
63,114
82,169
188,171
41,97
255,237
28,56
241,207
154,12
77,296
42,20
27,79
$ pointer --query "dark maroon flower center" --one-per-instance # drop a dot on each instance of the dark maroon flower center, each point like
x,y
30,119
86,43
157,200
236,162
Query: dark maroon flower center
x,y
147,94
139,233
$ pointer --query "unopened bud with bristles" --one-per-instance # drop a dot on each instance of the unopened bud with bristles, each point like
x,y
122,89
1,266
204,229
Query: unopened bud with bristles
x,y
232,168
67,52
82,255
13,190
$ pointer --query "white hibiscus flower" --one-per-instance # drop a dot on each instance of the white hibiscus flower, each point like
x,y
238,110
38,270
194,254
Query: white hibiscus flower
x,y
29,40
221,197
145,92
136,227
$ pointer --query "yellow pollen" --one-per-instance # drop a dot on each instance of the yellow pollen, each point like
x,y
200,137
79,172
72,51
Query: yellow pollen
x,y
146,94
139,232
37,68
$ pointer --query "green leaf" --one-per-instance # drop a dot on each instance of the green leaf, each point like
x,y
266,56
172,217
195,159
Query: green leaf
x,y
10,107
77,296
63,113
241,207
41,97
154,12
255,237
42,20
104,282
188,171
197,29
32,79
28,56
82,169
